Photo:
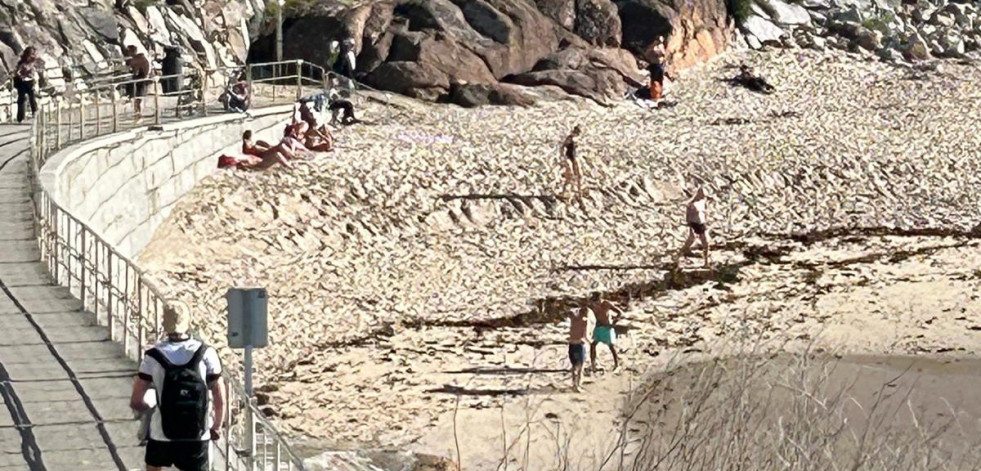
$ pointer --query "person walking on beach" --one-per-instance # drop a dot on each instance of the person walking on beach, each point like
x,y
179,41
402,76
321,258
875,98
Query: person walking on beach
x,y
25,79
186,375
603,332
139,66
577,344
570,165
696,218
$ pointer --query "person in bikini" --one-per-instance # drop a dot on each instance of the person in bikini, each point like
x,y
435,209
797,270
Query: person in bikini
x,y
603,332
695,216
253,148
577,344
318,137
570,166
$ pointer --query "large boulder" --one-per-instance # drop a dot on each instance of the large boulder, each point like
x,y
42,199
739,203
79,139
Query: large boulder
x,y
562,12
598,22
784,13
762,29
421,47
470,95
696,30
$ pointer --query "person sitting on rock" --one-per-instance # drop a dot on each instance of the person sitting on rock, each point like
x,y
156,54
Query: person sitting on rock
x,y
750,80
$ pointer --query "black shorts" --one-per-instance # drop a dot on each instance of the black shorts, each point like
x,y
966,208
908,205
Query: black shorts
x,y
185,456
137,89
697,227
577,353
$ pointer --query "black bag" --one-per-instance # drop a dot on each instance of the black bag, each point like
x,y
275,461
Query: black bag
x,y
183,402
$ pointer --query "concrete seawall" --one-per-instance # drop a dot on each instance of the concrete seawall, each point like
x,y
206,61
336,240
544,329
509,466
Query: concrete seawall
x,y
124,185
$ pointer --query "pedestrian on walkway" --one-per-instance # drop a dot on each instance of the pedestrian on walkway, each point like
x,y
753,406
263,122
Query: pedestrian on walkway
x,y
186,375
25,79
139,66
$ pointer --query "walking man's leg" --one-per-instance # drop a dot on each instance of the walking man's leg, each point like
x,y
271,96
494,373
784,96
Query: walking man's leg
x,y
616,359
705,245
684,248
592,355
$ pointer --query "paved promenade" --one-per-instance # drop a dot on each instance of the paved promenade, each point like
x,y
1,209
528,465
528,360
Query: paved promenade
x,y
64,386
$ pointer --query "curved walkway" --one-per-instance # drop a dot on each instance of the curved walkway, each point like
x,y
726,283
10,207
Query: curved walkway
x,y
64,385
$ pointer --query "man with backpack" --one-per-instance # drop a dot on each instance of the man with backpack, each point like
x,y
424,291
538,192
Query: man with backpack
x,y
186,375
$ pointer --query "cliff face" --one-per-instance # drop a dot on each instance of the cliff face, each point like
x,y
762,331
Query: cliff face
x,y
80,37
447,49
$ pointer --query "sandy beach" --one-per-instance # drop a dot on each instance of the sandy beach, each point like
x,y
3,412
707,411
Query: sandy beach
x,y
425,269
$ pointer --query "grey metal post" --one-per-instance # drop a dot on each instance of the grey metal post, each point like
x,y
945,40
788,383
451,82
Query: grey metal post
x,y
58,123
81,271
156,100
115,112
299,79
279,31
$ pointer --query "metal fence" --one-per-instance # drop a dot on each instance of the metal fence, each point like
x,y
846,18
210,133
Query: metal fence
x,y
111,285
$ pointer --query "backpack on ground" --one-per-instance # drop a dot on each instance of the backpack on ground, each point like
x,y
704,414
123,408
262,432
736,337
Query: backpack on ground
x,y
183,402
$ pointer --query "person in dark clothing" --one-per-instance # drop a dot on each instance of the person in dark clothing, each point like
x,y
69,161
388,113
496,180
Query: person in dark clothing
x,y
658,71
570,165
751,81
139,66
25,78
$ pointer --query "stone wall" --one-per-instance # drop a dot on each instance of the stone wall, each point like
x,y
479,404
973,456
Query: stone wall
x,y
124,185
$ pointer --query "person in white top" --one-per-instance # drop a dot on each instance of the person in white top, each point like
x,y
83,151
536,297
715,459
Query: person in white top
x,y
695,216
185,373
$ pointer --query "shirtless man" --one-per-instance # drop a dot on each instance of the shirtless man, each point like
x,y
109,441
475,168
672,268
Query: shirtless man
x,y
577,344
695,216
570,166
603,332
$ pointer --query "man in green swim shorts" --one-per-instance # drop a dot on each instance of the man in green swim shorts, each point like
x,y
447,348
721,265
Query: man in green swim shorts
x,y
603,332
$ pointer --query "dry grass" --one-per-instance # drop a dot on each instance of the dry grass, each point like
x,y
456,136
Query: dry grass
x,y
754,411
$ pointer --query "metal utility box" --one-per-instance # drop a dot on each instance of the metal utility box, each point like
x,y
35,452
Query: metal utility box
x,y
247,317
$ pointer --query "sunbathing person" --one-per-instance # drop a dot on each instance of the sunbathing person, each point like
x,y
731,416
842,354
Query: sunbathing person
x,y
751,81
253,148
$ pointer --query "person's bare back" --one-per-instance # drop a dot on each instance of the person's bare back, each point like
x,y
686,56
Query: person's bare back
x,y
577,328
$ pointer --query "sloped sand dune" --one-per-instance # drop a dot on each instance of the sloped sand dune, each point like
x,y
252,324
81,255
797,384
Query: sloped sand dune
x,y
428,258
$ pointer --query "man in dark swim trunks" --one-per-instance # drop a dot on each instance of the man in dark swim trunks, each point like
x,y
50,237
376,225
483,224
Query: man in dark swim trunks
x,y
696,219
570,165
577,344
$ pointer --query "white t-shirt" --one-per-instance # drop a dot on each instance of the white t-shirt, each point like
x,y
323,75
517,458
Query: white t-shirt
x,y
179,353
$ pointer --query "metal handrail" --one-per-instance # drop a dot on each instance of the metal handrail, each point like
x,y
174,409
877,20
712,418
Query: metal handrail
x,y
114,287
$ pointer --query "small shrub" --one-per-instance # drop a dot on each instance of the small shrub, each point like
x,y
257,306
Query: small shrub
x,y
740,9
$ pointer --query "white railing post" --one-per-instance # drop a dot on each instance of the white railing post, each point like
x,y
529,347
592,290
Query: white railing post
x,y
115,112
156,100
98,114
81,269
249,435
58,123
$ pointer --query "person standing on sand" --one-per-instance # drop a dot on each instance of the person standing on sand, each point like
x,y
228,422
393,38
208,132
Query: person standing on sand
x,y
695,216
577,344
570,166
603,332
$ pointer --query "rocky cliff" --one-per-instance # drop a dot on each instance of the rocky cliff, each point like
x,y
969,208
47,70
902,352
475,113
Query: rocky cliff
x,y
476,51
77,38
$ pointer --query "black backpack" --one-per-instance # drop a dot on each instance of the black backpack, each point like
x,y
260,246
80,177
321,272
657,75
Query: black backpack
x,y
183,402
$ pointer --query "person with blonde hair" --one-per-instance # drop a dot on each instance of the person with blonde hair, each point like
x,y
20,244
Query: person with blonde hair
x,y
190,397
